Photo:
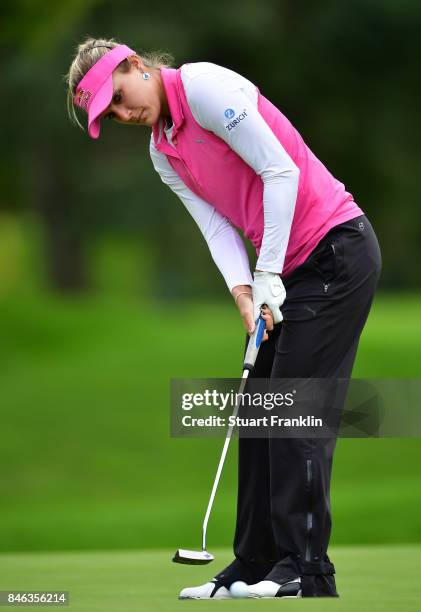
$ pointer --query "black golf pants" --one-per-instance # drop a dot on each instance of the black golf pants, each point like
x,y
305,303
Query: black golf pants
x,y
283,508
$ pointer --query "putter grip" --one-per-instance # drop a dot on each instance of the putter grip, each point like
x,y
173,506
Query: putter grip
x,y
254,344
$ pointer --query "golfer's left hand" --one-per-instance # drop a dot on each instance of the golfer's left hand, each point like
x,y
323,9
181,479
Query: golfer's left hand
x,y
267,316
268,289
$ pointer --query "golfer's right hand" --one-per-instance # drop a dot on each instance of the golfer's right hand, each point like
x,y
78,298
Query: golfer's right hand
x,y
245,306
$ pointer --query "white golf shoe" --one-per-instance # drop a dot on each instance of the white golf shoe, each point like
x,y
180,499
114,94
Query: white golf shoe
x,y
267,588
210,590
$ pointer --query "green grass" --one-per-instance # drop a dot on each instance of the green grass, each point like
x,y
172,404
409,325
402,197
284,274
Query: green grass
x,y
368,578
86,458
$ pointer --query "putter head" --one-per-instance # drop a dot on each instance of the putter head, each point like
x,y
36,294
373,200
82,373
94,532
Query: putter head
x,y
192,557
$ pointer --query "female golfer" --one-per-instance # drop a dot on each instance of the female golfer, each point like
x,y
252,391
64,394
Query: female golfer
x,y
235,161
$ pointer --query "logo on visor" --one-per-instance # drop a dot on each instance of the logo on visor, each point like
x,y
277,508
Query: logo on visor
x,y
84,96
229,113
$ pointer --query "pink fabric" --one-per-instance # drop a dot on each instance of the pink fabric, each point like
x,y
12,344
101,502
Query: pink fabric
x,y
212,170
95,90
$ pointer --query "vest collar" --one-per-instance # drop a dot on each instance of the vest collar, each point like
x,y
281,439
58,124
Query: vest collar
x,y
171,82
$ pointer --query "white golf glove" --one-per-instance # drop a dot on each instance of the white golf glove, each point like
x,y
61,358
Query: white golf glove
x,y
268,289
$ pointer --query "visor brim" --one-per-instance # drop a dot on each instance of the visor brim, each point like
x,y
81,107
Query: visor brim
x,y
98,105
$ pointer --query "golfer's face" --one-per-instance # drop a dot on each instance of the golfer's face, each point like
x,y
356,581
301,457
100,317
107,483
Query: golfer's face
x,y
135,100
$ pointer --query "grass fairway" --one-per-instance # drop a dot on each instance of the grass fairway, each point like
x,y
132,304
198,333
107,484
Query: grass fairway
x,y
86,460
369,578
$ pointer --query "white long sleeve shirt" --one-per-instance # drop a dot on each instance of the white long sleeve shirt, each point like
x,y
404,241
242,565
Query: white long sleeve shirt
x,y
209,90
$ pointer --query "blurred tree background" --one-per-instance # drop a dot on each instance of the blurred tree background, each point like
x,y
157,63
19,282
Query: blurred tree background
x,y
106,284
344,73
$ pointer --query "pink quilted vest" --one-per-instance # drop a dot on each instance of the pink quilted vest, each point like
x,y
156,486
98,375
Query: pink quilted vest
x,y
212,170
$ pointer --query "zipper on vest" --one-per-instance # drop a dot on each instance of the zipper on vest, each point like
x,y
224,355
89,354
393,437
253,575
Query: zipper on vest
x,y
309,525
178,156
193,180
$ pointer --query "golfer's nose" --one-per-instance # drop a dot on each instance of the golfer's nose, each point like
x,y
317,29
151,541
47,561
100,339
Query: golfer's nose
x,y
122,114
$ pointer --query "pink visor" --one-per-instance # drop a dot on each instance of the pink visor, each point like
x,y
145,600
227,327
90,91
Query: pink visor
x,y
95,91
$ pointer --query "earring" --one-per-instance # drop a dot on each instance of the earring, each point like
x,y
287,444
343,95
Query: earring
x,y
146,76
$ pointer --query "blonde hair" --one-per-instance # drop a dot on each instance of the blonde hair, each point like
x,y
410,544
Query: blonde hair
x,y
89,52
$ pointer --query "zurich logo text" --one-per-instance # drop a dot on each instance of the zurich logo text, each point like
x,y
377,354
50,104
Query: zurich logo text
x,y
229,113
232,124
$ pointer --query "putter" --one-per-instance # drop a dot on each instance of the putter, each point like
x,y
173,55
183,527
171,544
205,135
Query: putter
x,y
196,557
